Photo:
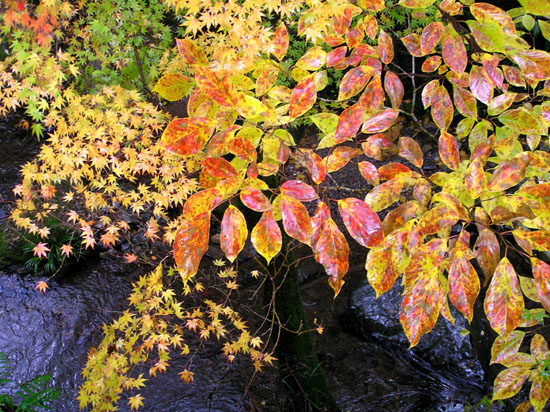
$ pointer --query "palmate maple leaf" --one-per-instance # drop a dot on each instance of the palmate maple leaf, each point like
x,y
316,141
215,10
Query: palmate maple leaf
x,y
41,286
41,250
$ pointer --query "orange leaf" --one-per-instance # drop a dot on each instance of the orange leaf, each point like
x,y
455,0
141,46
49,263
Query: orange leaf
x,y
191,52
369,172
487,252
41,250
509,173
186,136
354,81
349,122
329,246
41,286
464,286
219,167
504,301
299,190
410,150
380,122
201,202
448,150
453,50
191,244
280,42
385,47
254,199
340,157
430,37
541,273
266,237
303,97
394,89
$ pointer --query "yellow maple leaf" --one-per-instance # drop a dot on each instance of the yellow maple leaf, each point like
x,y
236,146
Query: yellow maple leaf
x,y
186,375
136,401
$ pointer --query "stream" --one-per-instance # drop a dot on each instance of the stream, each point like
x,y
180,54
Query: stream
x,y
52,333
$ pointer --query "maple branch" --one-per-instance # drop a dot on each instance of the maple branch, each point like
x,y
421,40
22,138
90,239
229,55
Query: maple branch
x,y
142,76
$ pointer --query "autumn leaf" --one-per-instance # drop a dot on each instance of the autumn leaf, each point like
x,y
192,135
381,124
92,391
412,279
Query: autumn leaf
x,y
394,89
66,250
385,47
41,250
135,401
362,223
449,150
266,237
410,150
280,42
254,199
299,190
354,81
504,301
296,220
509,382
41,286
303,97
431,34
191,243
233,233
174,86
453,50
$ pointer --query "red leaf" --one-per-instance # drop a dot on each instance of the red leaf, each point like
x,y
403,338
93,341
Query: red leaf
x,y
392,170
296,220
504,301
349,122
233,232
465,102
394,89
354,81
254,199
303,97
410,150
336,56
280,42
373,97
508,174
369,172
219,167
316,167
380,122
299,190
431,36
385,47
186,136
191,243
266,237
362,223
487,252
218,144
431,64
453,50
243,148
330,247
442,108
201,202
463,286
449,151
413,44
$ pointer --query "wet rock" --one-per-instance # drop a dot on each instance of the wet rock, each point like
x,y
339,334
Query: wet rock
x,y
444,347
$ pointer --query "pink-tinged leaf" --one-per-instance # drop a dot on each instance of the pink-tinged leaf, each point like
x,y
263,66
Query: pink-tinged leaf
x,y
280,42
490,64
428,93
453,50
449,151
380,122
333,40
487,252
481,85
329,246
534,64
342,21
354,81
465,102
394,89
303,97
219,167
296,220
505,347
191,243
413,44
373,97
186,136
384,195
410,150
233,232
501,103
385,47
509,382
349,122
41,250
430,37
394,170
513,76
336,56
380,271
299,190
475,178
422,192
362,223
316,167
266,237
540,390
369,172
442,109
219,143
340,157
254,199
201,202
354,36
509,173
371,26
463,286
504,301
431,64
541,273
191,52
416,4
313,59
421,306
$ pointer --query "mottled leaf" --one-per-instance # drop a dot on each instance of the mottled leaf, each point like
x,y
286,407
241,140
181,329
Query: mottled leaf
x,y
254,199
449,150
362,223
480,85
509,382
453,50
509,173
465,102
349,122
233,232
442,109
373,97
296,220
354,81
218,167
394,89
303,97
340,157
313,59
384,195
380,273
534,64
299,190
191,52
504,301
464,286
174,86
336,56
501,103
369,172
487,252
201,202
280,42
191,243
266,237
431,64
413,43
430,36
186,136
541,273
385,47
505,347
266,80
380,122
410,150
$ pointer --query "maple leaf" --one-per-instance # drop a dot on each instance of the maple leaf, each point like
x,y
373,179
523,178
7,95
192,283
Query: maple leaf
x,y
66,250
41,250
186,375
130,258
135,401
41,286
